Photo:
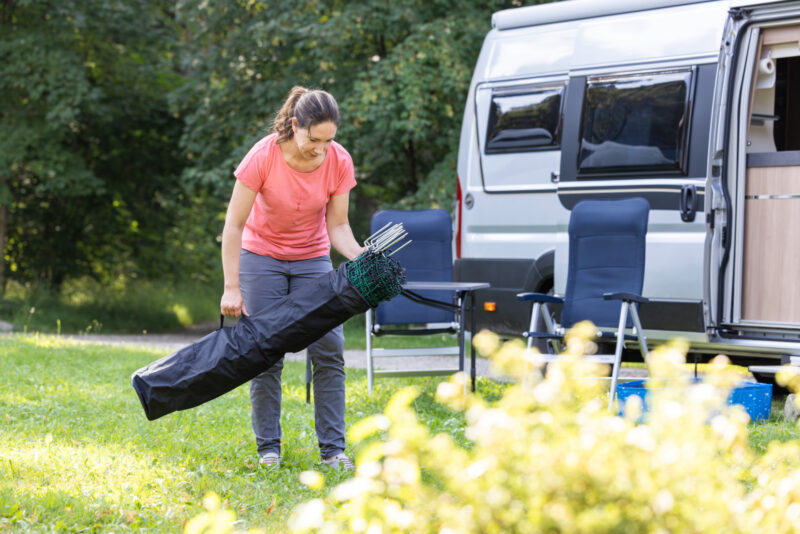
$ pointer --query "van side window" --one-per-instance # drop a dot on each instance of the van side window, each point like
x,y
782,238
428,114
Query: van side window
x,y
524,120
633,123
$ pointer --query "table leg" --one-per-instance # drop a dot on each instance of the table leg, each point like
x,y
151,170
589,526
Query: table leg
x,y
462,302
461,320
471,338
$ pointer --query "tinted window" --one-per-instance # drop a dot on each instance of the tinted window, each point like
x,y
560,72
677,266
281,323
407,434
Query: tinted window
x,y
524,120
635,123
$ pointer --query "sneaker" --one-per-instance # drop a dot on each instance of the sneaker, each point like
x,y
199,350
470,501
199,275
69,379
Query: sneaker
x,y
339,461
269,459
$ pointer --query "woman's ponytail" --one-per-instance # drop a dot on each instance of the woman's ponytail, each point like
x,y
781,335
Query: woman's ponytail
x,y
283,120
308,107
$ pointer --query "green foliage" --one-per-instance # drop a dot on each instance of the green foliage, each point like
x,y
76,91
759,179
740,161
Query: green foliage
x,y
406,109
548,457
400,71
119,138
125,306
89,163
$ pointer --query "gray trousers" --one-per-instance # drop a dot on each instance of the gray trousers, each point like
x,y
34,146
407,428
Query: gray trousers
x,y
264,280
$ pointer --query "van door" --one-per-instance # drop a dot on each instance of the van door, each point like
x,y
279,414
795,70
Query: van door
x,y
643,131
754,180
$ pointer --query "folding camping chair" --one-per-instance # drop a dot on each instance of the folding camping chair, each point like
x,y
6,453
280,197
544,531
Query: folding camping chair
x,y
429,258
605,275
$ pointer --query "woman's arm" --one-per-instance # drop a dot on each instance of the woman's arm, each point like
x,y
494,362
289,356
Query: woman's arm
x,y
242,198
339,231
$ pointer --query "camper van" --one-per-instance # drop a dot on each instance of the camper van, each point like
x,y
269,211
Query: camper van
x,y
694,106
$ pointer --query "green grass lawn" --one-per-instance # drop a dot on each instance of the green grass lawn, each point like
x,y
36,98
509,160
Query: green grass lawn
x,y
77,453
777,428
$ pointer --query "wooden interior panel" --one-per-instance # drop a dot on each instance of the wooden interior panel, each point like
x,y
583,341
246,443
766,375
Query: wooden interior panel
x,y
771,262
772,181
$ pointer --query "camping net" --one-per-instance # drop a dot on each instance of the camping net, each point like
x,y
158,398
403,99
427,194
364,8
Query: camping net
x,y
233,355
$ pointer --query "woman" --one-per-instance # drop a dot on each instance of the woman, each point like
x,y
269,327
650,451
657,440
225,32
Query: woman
x,y
289,205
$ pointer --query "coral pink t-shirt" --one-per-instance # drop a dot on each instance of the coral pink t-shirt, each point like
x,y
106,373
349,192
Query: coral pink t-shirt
x,y
287,221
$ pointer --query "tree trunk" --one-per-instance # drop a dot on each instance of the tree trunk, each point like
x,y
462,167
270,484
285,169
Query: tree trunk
x,y
6,9
381,45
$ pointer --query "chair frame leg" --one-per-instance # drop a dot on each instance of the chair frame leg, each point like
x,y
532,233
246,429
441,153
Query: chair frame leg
x,y
623,321
640,333
555,344
535,311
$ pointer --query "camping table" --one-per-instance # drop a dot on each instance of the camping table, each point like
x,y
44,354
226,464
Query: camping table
x,y
465,293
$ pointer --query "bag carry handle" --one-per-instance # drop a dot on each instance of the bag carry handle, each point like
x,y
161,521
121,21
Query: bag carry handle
x,y
221,321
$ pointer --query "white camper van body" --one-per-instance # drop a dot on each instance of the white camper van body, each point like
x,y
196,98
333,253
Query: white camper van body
x,y
683,103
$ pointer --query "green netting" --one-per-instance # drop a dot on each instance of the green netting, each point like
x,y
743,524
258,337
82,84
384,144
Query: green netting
x,y
376,276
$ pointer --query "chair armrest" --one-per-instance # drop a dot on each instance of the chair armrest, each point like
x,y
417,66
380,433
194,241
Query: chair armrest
x,y
540,297
629,297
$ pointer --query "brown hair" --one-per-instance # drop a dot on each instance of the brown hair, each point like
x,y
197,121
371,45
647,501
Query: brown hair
x,y
309,107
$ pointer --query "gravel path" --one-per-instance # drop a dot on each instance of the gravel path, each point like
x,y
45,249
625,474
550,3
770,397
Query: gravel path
x,y
353,358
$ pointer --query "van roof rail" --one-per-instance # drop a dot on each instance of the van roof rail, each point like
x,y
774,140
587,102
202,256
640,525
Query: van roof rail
x,y
537,15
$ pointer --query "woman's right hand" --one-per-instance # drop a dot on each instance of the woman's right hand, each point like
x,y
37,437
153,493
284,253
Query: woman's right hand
x,y
232,303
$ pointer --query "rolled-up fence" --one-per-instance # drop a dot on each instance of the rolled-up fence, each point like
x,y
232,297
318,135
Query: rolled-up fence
x,y
233,355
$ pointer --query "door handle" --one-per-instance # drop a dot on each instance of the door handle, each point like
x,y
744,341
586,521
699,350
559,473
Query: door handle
x,y
688,203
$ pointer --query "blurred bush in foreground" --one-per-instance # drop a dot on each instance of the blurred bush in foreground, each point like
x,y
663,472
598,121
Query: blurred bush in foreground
x,y
549,457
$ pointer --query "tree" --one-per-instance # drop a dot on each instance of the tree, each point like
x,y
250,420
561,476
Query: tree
x,y
400,71
88,152
122,122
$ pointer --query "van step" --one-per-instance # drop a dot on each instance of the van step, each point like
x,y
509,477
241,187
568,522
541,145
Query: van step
x,y
766,369
793,361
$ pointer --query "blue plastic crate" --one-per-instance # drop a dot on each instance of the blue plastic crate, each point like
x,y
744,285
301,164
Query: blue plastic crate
x,y
756,398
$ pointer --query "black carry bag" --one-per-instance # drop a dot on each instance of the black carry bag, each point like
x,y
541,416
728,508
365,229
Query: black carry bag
x,y
233,355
